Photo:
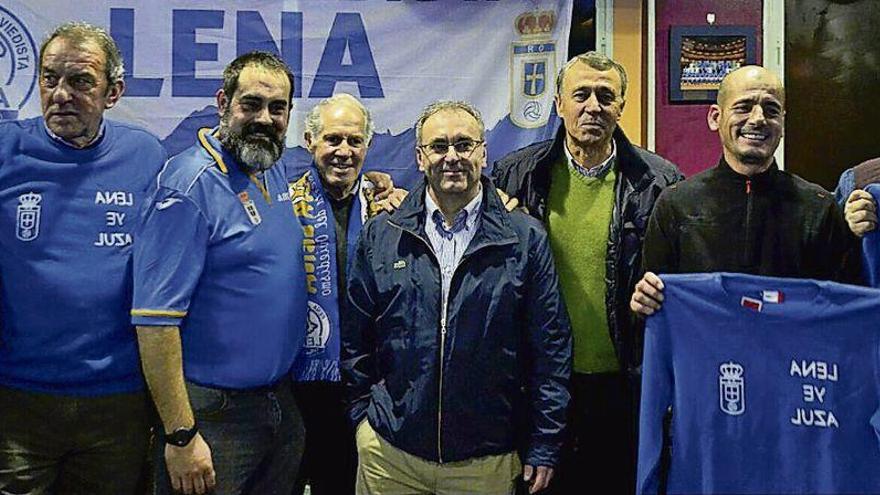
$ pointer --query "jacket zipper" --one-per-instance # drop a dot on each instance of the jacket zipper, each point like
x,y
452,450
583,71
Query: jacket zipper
x,y
440,385
749,242
443,319
444,306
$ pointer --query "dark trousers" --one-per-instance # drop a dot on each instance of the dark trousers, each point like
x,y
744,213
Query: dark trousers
x,y
72,445
600,451
255,436
330,460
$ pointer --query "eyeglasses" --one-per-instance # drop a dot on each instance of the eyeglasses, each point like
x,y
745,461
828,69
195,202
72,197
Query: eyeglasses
x,y
464,147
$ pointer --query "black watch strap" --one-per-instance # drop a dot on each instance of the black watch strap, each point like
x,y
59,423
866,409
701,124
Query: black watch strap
x,y
181,437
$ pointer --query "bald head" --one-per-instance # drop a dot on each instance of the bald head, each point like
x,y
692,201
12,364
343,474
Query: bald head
x,y
750,76
749,118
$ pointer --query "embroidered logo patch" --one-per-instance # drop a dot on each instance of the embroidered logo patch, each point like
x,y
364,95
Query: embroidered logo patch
x,y
731,389
27,227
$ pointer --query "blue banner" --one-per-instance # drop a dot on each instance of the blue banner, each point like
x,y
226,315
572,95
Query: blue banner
x,y
396,56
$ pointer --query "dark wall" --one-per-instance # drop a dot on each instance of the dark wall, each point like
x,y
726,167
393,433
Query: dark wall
x,y
680,130
832,78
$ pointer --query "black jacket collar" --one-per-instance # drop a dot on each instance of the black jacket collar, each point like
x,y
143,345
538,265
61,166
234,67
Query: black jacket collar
x,y
629,165
726,172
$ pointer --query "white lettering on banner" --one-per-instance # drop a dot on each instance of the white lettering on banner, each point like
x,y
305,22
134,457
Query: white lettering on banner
x,y
814,394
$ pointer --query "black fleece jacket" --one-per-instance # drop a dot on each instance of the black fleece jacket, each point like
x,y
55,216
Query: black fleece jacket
x,y
773,224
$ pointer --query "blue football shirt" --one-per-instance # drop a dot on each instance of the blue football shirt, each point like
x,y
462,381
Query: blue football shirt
x,y
220,256
67,217
773,385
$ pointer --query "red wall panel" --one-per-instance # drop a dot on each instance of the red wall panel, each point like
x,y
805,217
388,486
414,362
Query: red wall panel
x,y
680,129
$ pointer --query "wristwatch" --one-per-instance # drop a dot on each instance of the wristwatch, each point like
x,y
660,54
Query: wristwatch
x,y
181,437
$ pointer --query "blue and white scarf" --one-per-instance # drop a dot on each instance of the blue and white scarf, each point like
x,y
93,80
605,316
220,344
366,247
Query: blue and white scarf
x,y
319,358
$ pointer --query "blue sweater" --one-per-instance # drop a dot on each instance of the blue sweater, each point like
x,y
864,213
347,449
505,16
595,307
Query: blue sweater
x,y
67,217
766,397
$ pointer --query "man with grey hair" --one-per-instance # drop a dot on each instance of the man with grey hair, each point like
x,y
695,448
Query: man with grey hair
x,y
74,416
337,135
457,351
594,191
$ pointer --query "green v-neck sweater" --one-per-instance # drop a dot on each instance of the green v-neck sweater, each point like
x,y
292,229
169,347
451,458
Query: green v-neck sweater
x,y
579,216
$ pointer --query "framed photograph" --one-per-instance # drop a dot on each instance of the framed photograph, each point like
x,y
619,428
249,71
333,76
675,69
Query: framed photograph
x,y
700,56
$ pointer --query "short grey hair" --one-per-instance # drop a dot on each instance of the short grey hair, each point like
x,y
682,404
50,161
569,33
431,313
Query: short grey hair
x,y
314,124
596,61
82,32
439,106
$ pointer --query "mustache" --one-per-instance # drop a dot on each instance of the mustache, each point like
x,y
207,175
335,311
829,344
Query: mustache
x,y
452,169
249,130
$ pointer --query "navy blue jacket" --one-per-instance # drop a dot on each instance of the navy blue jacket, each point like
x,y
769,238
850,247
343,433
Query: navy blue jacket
x,y
492,377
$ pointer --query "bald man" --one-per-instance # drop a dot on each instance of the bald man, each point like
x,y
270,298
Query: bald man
x,y
745,215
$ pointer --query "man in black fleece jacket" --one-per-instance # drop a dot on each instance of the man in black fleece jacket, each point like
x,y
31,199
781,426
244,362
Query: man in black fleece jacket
x,y
745,215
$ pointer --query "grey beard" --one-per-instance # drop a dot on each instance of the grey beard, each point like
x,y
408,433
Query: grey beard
x,y
256,158
252,156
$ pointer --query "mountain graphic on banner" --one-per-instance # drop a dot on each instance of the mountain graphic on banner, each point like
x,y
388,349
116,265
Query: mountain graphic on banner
x,y
391,153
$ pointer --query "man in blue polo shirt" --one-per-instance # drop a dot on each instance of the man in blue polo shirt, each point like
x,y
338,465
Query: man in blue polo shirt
x,y
74,416
219,295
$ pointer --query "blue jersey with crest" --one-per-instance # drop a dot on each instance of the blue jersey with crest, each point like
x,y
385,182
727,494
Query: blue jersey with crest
x,y
773,386
220,255
67,218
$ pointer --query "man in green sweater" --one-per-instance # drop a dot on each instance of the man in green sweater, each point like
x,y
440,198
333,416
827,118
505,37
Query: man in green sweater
x,y
594,191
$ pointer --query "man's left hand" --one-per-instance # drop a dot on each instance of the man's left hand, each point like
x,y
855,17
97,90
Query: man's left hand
x,y
538,478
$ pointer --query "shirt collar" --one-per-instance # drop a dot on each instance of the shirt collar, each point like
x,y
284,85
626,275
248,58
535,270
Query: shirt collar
x,y
597,171
471,210
65,142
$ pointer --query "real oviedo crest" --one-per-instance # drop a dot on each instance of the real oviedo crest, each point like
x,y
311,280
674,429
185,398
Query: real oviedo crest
x,y
27,225
533,69
731,388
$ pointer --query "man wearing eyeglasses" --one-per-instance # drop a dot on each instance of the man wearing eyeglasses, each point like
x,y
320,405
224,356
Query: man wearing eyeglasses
x,y
594,191
458,351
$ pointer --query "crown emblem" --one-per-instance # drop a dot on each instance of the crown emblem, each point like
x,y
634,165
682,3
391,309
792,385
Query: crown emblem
x,y
30,199
731,370
532,23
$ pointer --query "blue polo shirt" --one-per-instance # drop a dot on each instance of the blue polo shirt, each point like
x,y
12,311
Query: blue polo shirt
x,y
67,221
220,256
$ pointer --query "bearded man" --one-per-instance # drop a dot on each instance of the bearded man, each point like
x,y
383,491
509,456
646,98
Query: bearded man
x,y
219,297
